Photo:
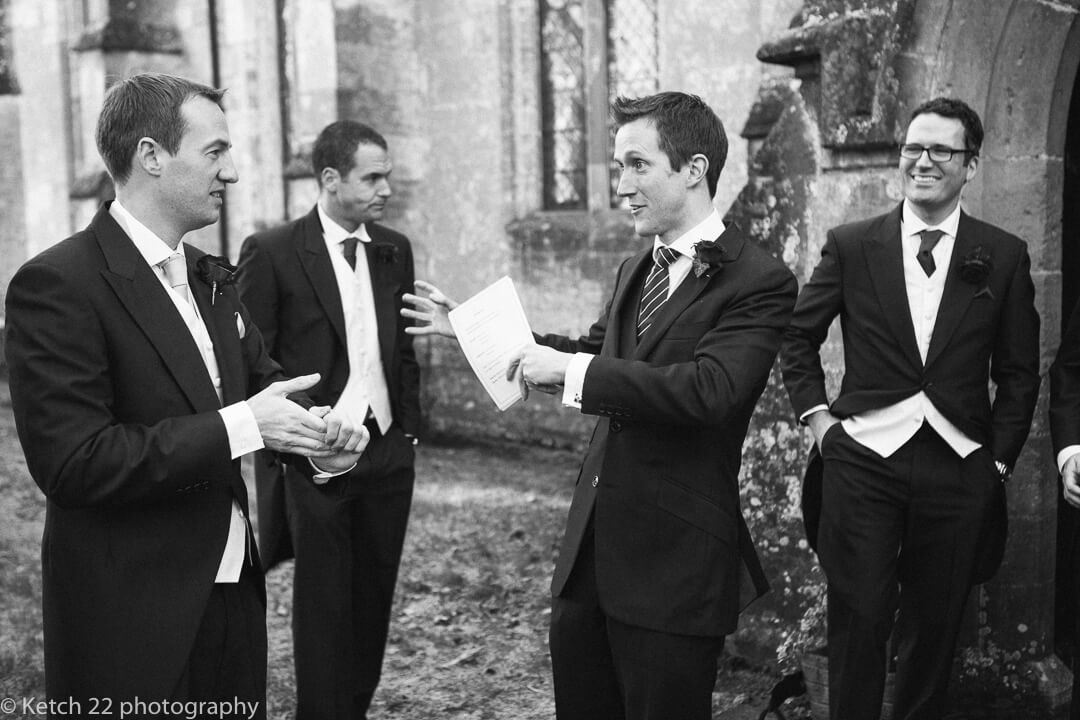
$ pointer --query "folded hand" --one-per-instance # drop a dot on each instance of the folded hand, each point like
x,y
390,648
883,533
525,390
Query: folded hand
x,y
341,435
286,426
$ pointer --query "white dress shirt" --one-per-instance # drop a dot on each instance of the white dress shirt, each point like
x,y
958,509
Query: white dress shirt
x,y
240,425
885,430
366,387
708,229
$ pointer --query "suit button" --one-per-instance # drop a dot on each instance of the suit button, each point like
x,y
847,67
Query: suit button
x,y
595,480
616,426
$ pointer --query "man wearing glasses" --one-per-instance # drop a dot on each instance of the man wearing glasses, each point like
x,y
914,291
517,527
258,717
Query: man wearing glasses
x,y
905,497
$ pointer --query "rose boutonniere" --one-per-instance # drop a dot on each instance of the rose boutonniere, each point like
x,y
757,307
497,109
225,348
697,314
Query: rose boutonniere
x,y
976,266
214,270
708,256
385,253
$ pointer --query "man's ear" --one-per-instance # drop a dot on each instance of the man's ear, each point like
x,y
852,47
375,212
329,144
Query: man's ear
x,y
698,166
330,178
149,156
972,168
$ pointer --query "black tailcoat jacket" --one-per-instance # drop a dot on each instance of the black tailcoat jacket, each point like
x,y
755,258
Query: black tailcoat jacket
x,y
119,422
660,478
987,329
288,282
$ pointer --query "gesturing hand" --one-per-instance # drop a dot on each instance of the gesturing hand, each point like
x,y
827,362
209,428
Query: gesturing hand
x,y
431,313
284,425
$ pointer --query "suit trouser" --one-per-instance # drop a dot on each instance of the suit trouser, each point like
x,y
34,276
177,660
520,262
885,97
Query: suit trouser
x,y
347,536
1072,627
228,658
607,670
898,540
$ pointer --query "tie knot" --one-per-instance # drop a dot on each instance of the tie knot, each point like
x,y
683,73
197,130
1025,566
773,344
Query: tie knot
x,y
349,251
175,270
929,239
664,256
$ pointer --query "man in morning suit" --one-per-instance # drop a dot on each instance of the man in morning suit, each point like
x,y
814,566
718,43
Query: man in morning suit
x,y
647,583
933,304
1065,434
137,381
326,292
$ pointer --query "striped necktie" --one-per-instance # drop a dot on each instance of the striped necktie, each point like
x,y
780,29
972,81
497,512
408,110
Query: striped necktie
x,y
655,293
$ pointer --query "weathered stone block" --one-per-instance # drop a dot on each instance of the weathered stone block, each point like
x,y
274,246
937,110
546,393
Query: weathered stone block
x,y
855,45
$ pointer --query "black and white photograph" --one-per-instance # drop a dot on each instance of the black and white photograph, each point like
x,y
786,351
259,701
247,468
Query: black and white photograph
x,y
540,359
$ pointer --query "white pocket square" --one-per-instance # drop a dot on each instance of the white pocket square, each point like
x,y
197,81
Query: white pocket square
x,y
241,329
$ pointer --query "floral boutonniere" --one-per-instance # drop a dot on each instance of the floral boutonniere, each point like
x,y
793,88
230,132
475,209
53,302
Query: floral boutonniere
x,y
214,270
385,253
976,266
708,256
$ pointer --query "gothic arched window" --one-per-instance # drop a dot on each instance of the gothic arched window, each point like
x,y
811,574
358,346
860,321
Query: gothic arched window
x,y
591,51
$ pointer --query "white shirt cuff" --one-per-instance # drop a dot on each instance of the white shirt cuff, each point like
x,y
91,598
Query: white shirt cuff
x,y
322,476
243,431
1065,454
574,382
811,411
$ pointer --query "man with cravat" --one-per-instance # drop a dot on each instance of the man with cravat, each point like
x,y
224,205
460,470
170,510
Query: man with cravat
x,y
904,497
137,381
325,290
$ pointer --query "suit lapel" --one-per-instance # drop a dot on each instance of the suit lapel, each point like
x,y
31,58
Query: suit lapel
x,y
315,259
148,303
221,324
624,308
383,289
885,265
957,294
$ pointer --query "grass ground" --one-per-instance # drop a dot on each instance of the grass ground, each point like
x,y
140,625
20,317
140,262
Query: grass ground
x,y
468,639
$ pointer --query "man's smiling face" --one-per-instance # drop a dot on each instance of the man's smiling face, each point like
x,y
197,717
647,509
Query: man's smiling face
x,y
933,188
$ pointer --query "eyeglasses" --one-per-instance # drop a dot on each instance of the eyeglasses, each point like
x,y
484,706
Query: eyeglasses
x,y
937,153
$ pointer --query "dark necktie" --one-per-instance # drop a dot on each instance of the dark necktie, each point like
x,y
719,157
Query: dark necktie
x,y
350,251
655,293
926,259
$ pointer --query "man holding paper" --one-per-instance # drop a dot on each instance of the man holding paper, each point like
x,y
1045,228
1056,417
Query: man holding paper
x,y
647,583
325,290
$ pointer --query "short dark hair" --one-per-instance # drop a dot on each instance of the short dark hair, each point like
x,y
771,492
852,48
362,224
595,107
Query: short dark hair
x,y
145,105
336,146
957,110
685,126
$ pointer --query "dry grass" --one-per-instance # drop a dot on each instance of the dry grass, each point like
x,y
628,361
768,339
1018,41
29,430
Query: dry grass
x,y
468,639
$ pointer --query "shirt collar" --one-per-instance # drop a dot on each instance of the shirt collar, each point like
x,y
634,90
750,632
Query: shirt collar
x,y
912,224
710,228
334,234
153,249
